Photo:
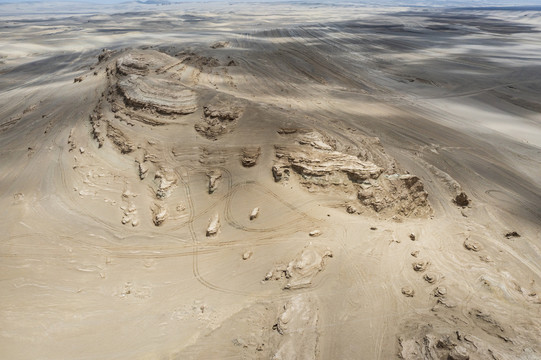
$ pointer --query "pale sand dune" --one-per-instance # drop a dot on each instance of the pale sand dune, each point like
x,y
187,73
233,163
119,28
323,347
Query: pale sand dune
x,y
130,178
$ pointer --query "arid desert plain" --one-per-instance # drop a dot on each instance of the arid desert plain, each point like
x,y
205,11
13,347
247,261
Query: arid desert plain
x,y
235,180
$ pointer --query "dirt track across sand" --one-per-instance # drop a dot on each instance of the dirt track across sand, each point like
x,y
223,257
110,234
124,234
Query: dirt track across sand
x,y
318,183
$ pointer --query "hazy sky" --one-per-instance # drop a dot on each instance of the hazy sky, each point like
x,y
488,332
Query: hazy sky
x,y
401,2
461,3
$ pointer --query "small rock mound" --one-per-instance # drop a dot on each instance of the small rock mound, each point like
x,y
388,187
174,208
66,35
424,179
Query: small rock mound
x,y
472,245
142,168
104,55
219,117
315,233
462,199
250,155
220,45
301,271
214,225
430,278
304,268
129,215
408,291
214,176
166,179
420,266
159,214
512,234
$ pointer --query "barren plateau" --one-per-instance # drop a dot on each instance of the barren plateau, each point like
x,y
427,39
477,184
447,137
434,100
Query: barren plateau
x,y
270,181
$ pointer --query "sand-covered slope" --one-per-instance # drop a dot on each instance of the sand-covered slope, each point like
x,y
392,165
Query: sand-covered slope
x,y
330,183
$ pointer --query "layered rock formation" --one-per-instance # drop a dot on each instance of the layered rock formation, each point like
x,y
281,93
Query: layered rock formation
x,y
379,186
156,94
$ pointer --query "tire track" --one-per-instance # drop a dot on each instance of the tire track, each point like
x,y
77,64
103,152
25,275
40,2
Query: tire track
x,y
271,239
284,226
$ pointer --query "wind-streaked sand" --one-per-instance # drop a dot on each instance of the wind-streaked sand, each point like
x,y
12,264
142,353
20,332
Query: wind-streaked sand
x,y
128,183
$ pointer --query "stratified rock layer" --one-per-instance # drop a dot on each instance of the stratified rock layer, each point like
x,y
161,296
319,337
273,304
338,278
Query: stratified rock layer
x,y
157,94
379,187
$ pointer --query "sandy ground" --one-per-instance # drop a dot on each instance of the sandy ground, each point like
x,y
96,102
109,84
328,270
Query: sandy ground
x,y
129,177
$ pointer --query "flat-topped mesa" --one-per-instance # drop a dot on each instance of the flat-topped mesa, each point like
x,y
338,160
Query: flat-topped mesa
x,y
138,91
141,62
380,187
156,94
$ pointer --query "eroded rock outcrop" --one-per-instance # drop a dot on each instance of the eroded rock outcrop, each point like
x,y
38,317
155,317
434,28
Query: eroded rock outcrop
x,y
138,91
142,168
219,117
166,179
298,327
133,64
197,61
456,346
301,271
159,214
403,194
324,166
220,44
461,199
468,330
214,177
119,139
472,245
323,162
250,155
96,123
214,225
144,93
